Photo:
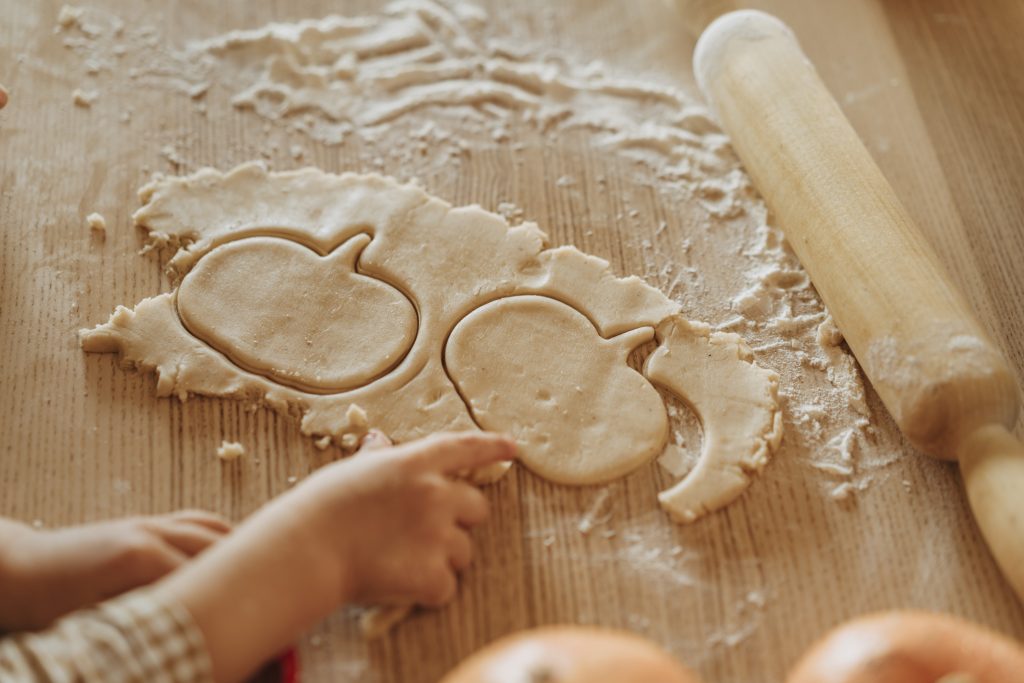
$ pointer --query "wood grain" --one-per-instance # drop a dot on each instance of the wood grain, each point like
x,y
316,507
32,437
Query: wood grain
x,y
932,86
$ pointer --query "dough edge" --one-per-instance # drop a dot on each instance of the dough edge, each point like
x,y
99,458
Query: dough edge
x,y
742,429
187,366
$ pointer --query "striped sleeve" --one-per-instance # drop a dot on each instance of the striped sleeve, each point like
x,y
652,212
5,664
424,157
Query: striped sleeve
x,y
136,638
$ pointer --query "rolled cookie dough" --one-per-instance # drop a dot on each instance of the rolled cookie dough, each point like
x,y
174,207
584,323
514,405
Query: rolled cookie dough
x,y
260,316
230,450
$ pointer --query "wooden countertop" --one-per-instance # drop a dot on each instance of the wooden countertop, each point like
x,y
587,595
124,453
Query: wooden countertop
x,y
934,87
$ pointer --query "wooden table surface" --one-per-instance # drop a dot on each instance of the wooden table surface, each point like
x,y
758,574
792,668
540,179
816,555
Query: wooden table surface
x,y
934,87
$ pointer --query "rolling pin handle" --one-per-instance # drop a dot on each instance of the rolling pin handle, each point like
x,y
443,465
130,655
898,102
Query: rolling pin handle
x,y
992,464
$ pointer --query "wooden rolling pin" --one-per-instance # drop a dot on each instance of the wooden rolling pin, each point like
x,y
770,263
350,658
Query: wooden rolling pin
x,y
935,368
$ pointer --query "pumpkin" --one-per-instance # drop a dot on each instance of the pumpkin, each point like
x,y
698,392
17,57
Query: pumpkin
x,y
571,654
911,647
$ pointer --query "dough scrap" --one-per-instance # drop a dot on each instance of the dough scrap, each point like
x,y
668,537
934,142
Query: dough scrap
x,y
536,368
462,271
377,621
230,450
736,402
97,225
84,98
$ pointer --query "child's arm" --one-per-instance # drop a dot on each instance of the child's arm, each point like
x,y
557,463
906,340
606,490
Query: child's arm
x,y
389,526
47,573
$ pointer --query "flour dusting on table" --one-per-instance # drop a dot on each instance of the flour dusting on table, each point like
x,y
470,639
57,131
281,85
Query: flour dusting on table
x,y
423,85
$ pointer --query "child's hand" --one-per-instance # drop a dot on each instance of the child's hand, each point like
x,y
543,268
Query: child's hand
x,y
45,574
399,516
390,525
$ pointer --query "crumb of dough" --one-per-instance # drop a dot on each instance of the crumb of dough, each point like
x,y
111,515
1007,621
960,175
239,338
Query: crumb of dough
x,y
84,98
375,622
170,153
97,224
230,450
842,491
197,91
69,16
356,427
351,434
512,213
356,418
594,517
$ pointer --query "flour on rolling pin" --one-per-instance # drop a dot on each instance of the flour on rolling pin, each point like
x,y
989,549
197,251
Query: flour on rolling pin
x,y
894,366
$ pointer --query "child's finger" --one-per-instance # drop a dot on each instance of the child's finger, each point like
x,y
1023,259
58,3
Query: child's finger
x,y
471,507
437,585
453,453
202,518
190,539
460,550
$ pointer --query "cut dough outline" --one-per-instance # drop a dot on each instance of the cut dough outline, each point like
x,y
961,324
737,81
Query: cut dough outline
x,y
625,342
315,247
196,249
